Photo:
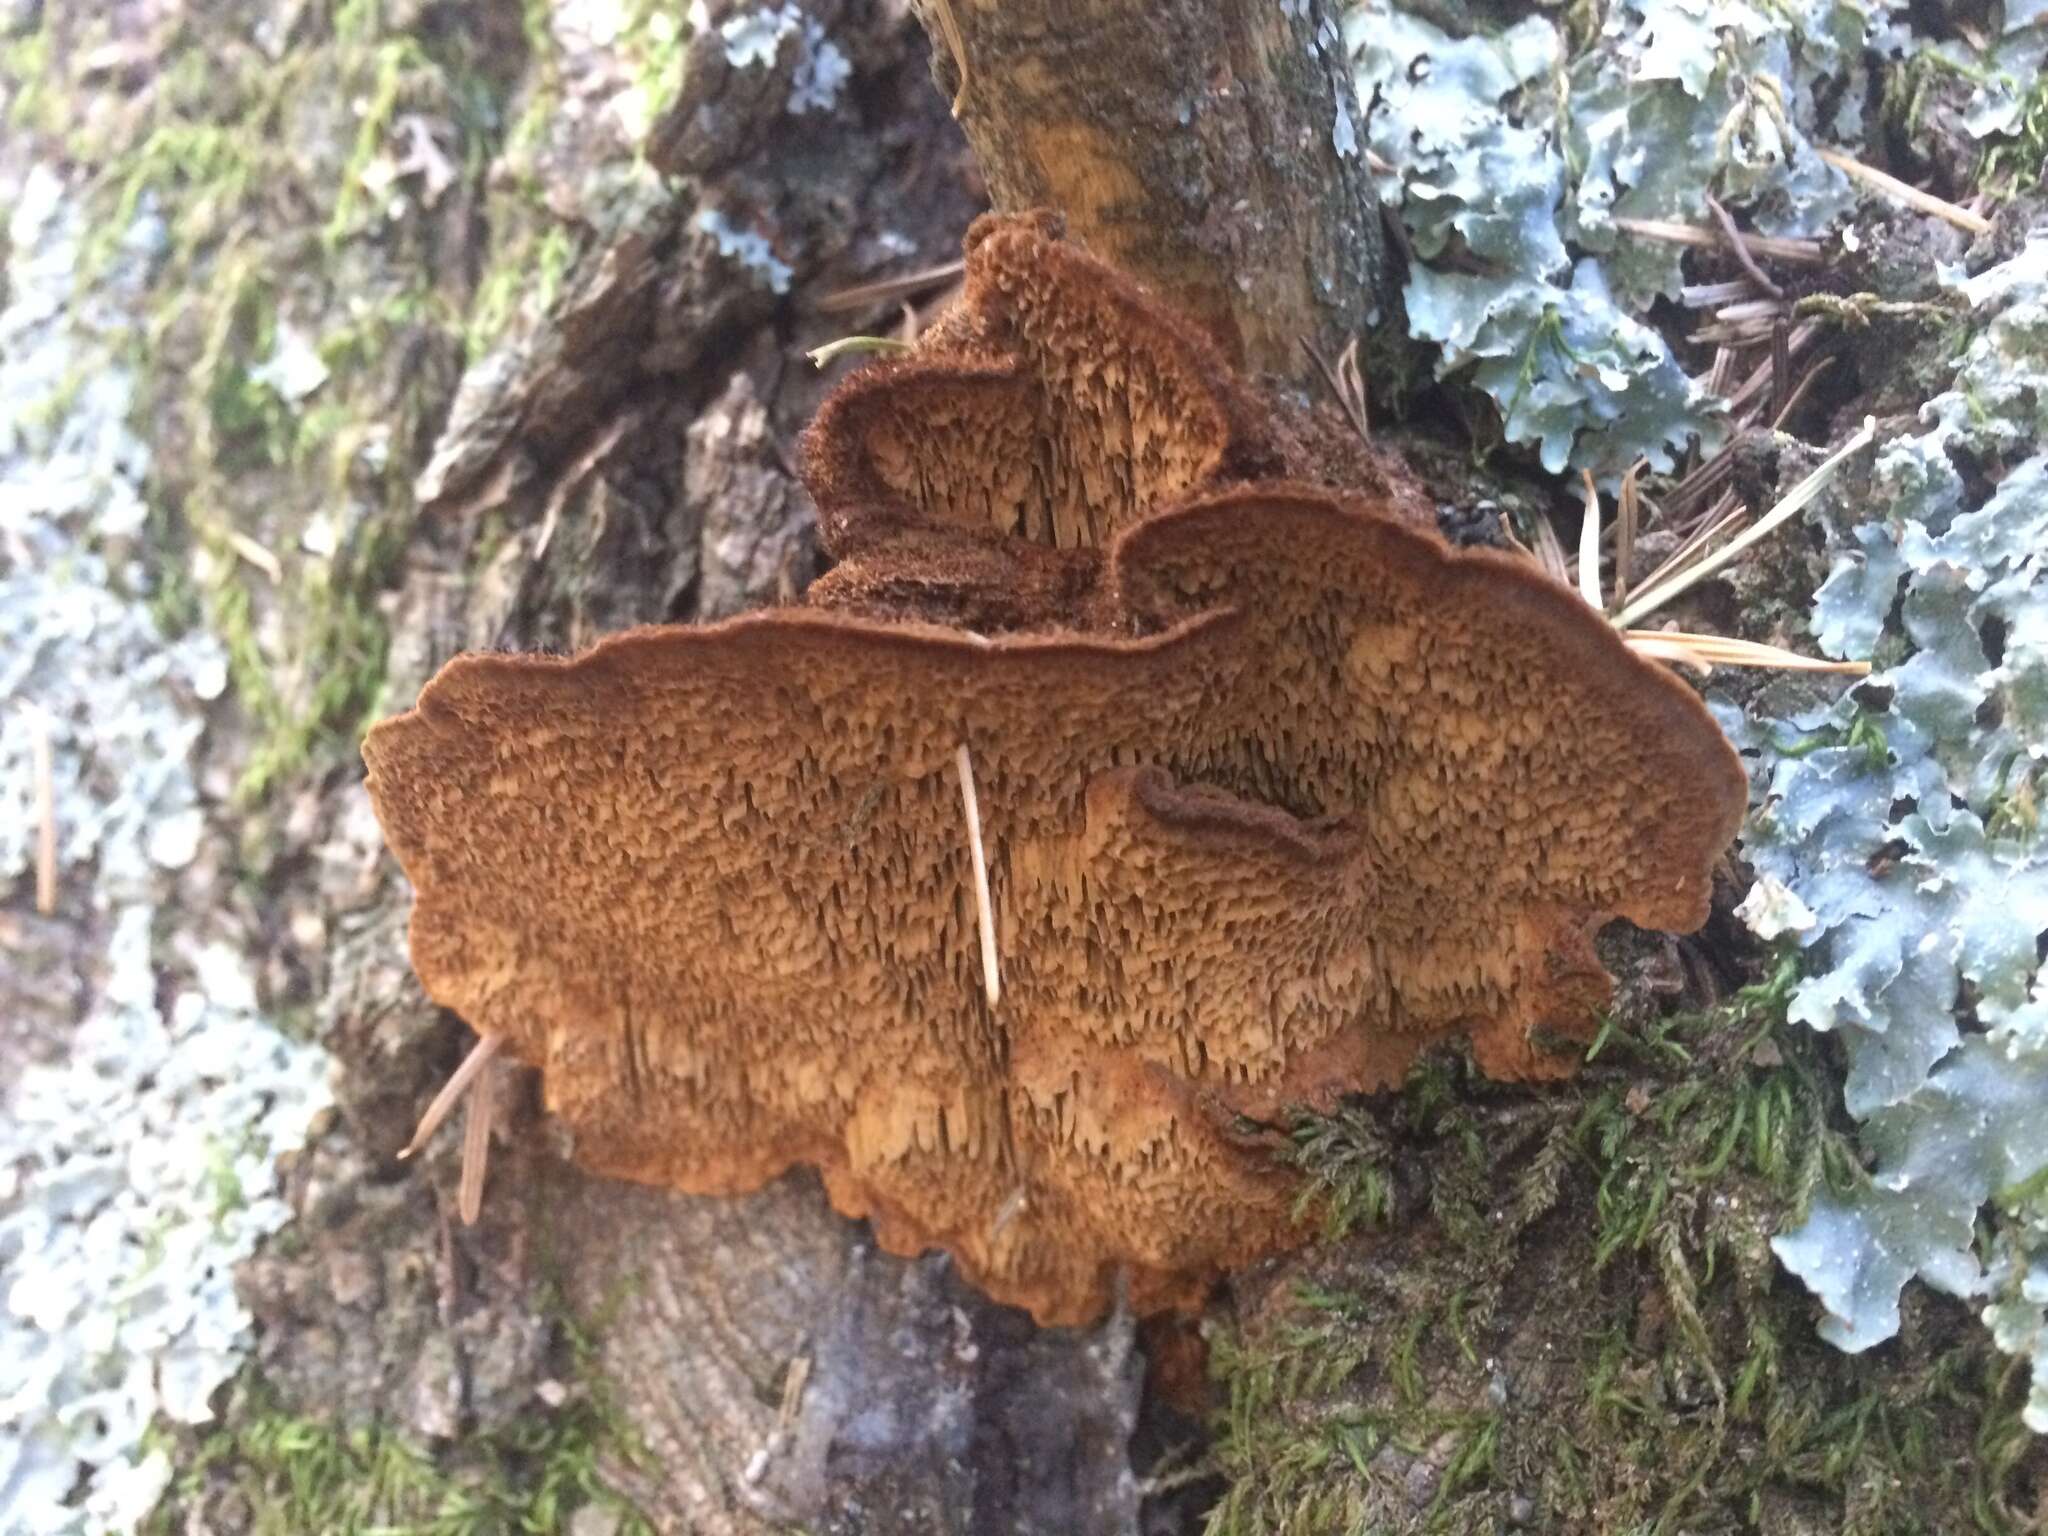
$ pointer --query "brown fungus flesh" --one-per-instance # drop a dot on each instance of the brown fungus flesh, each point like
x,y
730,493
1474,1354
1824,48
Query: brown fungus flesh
x,y
1274,789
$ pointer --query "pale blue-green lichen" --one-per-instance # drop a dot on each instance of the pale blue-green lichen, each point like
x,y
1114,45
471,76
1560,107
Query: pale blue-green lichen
x,y
136,1154
1510,163
1898,835
1906,821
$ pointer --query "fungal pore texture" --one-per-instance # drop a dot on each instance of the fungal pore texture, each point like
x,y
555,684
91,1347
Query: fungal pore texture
x,y
1270,788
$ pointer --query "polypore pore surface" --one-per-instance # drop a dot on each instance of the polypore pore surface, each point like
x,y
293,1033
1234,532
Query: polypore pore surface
x,y
1275,787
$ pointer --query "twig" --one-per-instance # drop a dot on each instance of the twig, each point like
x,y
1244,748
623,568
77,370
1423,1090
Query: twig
x,y
1733,238
1911,196
451,1092
984,911
1856,310
1788,507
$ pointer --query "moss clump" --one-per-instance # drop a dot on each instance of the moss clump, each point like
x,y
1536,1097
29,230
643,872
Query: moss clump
x,y
282,1474
286,207
1570,1319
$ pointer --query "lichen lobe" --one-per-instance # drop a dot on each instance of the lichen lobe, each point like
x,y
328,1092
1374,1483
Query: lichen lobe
x,y
1275,787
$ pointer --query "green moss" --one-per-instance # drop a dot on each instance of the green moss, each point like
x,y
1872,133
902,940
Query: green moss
x,y
255,171
292,1475
35,89
1559,1307
2012,165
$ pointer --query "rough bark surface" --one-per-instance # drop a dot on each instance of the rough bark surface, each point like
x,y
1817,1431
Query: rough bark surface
x,y
1211,150
629,463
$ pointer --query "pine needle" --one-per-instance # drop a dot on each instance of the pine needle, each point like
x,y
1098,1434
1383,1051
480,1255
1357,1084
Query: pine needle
x,y
46,809
984,909
476,1145
866,295
1911,196
451,1093
1589,545
1705,652
1788,506
848,345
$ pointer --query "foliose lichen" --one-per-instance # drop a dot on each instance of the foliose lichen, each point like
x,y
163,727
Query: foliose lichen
x,y
137,1147
1906,823
1510,163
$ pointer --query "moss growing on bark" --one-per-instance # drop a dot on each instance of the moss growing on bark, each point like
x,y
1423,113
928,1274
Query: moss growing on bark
x,y
1400,1380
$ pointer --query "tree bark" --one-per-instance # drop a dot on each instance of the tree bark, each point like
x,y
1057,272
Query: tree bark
x,y
1210,147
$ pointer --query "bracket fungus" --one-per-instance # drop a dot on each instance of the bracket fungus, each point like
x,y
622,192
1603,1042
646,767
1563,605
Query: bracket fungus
x,y
1146,763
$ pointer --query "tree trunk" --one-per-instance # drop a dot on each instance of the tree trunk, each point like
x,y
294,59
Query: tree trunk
x,y
1211,149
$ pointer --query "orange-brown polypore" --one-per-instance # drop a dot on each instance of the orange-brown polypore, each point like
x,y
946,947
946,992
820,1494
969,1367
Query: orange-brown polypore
x,y
1274,788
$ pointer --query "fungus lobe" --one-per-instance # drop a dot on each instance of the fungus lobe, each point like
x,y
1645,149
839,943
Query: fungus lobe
x,y
1274,788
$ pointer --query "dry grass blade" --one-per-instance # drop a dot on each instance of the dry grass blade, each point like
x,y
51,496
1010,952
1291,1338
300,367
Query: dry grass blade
x,y
46,809
256,555
984,909
888,289
1706,652
476,1146
569,479
1911,196
1778,247
1800,392
1549,551
1713,295
1346,384
1627,516
451,1093
1739,249
849,346
949,27
1754,394
1720,520
1589,545
1788,506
